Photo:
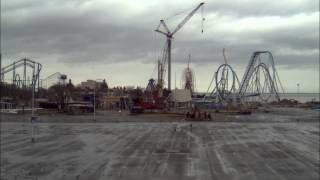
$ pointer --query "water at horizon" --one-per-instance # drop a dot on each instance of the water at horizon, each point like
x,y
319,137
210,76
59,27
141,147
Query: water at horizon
x,y
301,97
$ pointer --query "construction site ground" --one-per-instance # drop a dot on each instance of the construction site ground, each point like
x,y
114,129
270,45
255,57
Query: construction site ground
x,y
281,144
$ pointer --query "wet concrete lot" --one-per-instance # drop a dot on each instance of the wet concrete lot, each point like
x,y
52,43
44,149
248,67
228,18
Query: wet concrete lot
x,y
142,150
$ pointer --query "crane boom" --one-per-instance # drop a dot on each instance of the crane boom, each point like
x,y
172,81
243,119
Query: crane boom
x,y
157,30
165,25
186,19
169,36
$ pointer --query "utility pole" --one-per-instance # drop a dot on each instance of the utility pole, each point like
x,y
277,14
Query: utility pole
x,y
189,60
298,91
0,79
0,68
94,98
160,76
94,102
175,91
33,118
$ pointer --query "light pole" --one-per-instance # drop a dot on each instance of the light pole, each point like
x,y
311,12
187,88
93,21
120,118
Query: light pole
x,y
298,90
94,98
94,102
175,91
33,119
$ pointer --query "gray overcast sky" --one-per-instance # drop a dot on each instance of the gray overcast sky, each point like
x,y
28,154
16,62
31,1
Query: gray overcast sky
x,y
94,39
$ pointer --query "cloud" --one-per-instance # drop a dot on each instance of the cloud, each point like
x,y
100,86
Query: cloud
x,y
107,32
263,7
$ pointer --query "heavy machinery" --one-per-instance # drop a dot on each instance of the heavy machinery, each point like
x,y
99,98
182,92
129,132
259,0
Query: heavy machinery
x,y
169,36
154,97
148,100
150,96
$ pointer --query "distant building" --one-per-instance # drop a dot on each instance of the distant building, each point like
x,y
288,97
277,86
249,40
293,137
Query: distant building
x,y
92,84
129,87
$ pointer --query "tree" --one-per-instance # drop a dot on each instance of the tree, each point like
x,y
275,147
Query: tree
x,y
57,93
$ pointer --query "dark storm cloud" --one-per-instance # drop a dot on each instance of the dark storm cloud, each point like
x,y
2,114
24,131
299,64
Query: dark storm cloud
x,y
74,36
210,53
82,31
263,8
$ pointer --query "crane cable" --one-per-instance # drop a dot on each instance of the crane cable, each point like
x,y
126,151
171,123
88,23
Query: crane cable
x,y
179,13
187,10
202,18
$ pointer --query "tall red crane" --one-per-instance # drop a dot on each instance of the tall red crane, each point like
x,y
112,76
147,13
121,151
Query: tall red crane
x,y
169,36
